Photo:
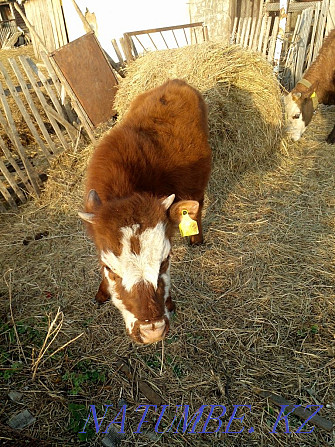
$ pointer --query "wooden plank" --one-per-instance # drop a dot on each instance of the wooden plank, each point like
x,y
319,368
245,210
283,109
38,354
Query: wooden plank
x,y
321,28
315,25
12,40
273,39
167,28
266,35
245,22
177,40
305,26
59,24
247,33
233,36
118,52
4,43
24,112
293,7
167,46
7,196
239,30
30,26
126,49
152,41
20,172
42,100
14,136
11,181
32,105
87,26
252,32
205,28
261,34
69,128
257,32
301,413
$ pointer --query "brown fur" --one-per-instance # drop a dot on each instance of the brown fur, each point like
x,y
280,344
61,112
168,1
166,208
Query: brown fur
x,y
160,148
321,74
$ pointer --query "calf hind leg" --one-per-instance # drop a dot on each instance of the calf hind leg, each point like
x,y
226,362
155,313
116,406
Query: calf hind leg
x,y
331,137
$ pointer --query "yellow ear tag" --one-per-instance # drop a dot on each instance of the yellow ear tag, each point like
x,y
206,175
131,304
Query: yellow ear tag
x,y
313,95
188,226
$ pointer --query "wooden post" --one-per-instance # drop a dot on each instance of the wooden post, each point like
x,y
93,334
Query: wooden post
x,y
87,26
281,34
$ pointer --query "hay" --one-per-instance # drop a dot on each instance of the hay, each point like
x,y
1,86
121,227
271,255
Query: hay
x,y
238,85
255,305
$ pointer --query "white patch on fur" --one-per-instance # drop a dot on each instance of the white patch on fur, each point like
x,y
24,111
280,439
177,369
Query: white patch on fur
x,y
134,268
129,318
167,282
295,126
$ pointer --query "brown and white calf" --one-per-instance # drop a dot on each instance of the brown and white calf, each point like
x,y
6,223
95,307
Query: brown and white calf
x,y
316,87
142,175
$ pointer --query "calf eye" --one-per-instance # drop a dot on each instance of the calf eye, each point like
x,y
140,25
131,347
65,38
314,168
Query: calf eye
x,y
296,116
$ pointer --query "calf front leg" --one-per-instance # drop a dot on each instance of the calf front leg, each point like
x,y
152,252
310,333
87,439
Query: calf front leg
x,y
102,295
331,137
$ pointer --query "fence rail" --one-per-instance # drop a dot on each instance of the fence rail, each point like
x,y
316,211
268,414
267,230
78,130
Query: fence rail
x,y
7,29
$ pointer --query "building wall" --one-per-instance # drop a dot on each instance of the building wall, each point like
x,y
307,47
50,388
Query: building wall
x,y
216,14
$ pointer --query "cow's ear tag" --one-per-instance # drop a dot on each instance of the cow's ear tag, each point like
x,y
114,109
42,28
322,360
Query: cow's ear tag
x,y
313,95
187,226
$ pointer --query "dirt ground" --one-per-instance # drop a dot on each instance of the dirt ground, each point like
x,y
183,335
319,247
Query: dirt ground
x,y
260,315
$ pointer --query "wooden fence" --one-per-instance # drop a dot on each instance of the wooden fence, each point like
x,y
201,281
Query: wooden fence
x,y
34,127
300,46
135,42
7,28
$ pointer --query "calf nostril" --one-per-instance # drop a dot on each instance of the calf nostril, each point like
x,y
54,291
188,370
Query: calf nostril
x,y
153,332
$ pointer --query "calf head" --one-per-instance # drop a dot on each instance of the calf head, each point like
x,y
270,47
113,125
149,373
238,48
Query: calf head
x,y
133,239
299,110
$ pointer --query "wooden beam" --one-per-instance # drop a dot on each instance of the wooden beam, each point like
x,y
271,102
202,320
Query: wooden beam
x,y
87,26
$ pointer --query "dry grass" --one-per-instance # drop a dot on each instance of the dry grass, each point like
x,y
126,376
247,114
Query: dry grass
x,y
255,303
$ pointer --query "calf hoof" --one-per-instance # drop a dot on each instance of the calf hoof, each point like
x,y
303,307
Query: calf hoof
x,y
101,298
170,305
197,239
331,138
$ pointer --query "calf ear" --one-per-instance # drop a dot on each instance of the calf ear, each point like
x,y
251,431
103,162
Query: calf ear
x,y
93,201
191,206
87,217
168,201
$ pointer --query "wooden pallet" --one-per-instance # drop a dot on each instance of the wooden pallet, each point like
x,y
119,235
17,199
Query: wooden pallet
x,y
31,111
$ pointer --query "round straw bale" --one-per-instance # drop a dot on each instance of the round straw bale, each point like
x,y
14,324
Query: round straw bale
x,y
242,94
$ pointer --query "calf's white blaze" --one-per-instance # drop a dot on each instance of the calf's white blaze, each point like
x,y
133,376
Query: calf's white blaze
x,y
295,126
129,317
144,266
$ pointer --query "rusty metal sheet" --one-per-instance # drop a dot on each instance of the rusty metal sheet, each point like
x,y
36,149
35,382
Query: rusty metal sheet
x,y
90,76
